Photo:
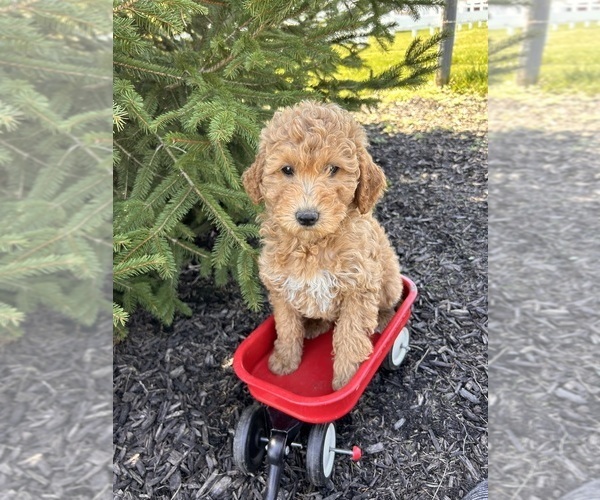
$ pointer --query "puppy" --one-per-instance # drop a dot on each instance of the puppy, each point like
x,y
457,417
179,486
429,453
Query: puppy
x,y
325,259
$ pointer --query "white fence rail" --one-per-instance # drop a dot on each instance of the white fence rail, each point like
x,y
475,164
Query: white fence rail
x,y
431,17
471,12
509,18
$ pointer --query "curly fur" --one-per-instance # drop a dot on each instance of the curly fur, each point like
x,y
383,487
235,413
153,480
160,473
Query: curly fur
x,y
340,270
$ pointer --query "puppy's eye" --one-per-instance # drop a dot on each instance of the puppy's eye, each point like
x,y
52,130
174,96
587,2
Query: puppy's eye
x,y
287,170
332,170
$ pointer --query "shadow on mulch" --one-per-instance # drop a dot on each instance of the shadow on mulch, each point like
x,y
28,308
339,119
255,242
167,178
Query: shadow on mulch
x,y
544,303
423,429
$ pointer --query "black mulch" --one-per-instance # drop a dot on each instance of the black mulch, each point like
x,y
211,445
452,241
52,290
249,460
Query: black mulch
x,y
55,409
423,429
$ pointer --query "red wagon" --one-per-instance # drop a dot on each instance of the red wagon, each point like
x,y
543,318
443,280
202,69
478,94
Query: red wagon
x,y
306,397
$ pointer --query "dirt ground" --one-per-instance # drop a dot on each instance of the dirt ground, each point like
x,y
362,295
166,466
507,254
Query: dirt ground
x,y
544,295
423,428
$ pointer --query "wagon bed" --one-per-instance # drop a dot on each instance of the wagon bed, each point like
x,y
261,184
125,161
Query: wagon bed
x,y
306,394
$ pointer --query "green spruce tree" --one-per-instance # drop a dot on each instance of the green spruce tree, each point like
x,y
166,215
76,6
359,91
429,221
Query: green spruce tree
x,y
194,83
55,170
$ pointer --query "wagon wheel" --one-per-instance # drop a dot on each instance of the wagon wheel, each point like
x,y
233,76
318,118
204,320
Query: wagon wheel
x,y
248,440
395,357
319,453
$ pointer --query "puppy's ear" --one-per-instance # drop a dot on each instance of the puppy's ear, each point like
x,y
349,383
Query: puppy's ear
x,y
252,179
371,182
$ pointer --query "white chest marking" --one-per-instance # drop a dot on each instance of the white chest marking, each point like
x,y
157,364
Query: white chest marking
x,y
322,289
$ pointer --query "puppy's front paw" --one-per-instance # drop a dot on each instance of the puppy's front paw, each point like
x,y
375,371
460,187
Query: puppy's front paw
x,y
284,363
342,374
348,357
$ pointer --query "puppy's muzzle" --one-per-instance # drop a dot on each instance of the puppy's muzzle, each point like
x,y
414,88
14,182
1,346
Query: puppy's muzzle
x,y
307,217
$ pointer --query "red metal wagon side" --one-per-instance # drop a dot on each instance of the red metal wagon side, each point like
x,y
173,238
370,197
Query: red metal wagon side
x,y
306,395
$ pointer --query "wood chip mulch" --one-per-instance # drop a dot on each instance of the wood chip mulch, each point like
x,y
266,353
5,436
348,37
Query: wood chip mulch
x,y
55,411
423,429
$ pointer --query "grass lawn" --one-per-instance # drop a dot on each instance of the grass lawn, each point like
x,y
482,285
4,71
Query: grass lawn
x,y
469,64
571,61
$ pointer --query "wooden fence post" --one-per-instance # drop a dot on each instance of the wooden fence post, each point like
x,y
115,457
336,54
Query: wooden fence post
x,y
448,25
533,45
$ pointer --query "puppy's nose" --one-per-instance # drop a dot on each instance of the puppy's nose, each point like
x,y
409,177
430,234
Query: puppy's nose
x,y
307,217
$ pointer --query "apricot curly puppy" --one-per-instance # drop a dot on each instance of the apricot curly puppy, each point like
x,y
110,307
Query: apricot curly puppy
x,y
325,258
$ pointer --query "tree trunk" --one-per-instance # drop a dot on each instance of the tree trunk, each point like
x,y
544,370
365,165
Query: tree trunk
x,y
449,26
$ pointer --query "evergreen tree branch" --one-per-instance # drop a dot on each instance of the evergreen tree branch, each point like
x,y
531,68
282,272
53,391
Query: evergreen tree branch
x,y
140,265
147,69
190,249
211,205
10,316
99,210
24,154
38,266
221,218
57,69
